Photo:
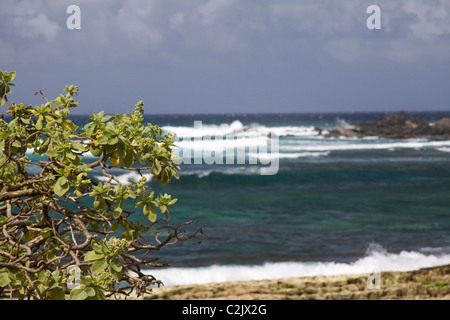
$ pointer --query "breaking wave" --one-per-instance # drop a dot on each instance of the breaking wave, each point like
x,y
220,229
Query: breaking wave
x,y
376,259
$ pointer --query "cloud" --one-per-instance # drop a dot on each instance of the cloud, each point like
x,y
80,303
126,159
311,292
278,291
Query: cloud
x,y
212,10
411,30
134,20
40,25
166,30
430,21
27,19
212,26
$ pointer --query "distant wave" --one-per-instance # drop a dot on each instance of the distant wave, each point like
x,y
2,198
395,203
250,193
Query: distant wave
x,y
207,130
303,141
223,169
237,129
221,144
356,145
377,259
267,156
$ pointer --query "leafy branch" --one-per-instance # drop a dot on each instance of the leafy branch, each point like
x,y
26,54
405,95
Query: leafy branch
x,y
55,216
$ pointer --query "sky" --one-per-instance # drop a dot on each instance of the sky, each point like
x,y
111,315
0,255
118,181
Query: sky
x,y
231,56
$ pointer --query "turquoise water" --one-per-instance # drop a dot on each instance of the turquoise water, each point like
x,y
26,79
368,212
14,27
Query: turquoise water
x,y
330,204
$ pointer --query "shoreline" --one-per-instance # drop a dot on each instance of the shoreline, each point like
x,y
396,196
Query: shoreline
x,y
422,284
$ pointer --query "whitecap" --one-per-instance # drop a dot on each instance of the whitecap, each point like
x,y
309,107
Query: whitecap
x,y
296,155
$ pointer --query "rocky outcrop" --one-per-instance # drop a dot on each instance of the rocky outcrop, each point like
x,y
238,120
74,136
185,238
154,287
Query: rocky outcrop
x,y
393,120
395,126
442,126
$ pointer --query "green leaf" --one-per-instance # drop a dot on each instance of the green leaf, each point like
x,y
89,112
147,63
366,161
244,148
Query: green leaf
x,y
149,212
11,76
139,204
130,235
16,144
96,151
98,248
175,173
99,203
115,226
47,233
99,265
113,141
104,139
52,153
92,255
56,275
79,293
39,124
90,291
99,294
56,294
165,176
118,210
116,265
129,159
62,180
61,186
70,156
156,167
44,146
50,254
4,278
57,103
78,147
121,149
163,208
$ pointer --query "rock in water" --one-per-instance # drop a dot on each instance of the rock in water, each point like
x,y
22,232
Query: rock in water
x,y
396,119
442,126
395,126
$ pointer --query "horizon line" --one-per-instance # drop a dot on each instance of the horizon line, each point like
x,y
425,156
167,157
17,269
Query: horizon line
x,y
274,113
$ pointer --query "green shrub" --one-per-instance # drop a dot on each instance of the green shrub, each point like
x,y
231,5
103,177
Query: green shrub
x,y
57,224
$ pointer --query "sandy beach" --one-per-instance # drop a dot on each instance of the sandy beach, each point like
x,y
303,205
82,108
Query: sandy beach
x,y
423,284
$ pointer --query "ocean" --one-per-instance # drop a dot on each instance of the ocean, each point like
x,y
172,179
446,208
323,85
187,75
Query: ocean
x,y
333,206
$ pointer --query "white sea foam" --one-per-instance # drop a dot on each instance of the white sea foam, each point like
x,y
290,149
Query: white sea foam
x,y
374,260
207,130
344,124
443,149
227,170
255,136
237,129
289,155
284,131
220,145
345,146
